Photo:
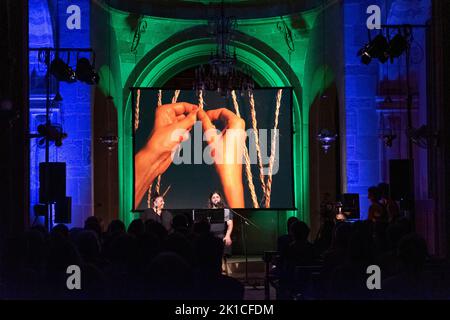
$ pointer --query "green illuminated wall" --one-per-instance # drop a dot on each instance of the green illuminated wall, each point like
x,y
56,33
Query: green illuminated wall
x,y
169,46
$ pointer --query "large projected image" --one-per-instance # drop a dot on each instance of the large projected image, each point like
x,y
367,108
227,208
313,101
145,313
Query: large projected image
x,y
188,144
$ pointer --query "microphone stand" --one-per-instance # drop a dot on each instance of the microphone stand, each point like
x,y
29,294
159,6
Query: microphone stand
x,y
244,238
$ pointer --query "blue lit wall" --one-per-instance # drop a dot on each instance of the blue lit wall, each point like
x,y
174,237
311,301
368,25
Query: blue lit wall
x,y
363,165
47,28
367,158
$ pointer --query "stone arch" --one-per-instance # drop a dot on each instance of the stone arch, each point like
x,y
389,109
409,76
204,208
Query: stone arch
x,y
192,47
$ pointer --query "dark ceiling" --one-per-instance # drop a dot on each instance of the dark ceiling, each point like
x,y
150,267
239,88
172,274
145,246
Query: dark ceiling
x,y
205,9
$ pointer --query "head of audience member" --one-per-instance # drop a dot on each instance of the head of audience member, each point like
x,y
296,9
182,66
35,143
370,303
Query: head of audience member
x,y
136,227
384,190
180,223
299,231
202,227
116,227
61,229
88,245
156,228
178,243
373,193
215,200
42,229
290,221
124,250
61,254
169,277
93,223
149,246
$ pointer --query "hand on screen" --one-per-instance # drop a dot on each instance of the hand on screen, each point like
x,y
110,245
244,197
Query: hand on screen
x,y
227,150
171,127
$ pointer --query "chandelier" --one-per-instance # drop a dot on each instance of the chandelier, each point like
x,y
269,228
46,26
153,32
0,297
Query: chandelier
x,y
222,73
326,139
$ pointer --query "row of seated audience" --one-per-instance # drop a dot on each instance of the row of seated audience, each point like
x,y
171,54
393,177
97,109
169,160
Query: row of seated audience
x,y
143,262
334,266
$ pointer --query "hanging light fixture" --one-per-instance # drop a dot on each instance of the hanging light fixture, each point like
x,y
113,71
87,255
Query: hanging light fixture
x,y
221,73
326,138
86,72
62,71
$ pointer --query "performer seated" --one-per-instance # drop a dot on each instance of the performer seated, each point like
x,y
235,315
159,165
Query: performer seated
x,y
157,213
215,202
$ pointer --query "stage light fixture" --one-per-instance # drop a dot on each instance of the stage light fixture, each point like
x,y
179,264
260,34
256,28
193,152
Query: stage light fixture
x,y
52,133
397,46
62,71
86,72
365,56
377,48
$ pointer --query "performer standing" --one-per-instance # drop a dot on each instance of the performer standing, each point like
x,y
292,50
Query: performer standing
x,y
215,202
157,213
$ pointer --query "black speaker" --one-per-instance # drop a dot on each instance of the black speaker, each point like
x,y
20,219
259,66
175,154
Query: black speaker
x,y
63,210
52,181
401,180
350,205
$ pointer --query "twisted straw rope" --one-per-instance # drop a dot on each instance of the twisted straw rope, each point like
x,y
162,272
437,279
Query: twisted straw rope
x,y
273,147
200,99
136,110
258,147
159,98
248,170
175,96
149,196
158,182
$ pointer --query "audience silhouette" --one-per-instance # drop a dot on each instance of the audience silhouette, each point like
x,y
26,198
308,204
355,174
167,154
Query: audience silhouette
x,y
148,262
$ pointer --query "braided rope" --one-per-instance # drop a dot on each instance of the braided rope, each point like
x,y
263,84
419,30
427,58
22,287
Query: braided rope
x,y
248,170
258,147
200,99
175,96
235,103
273,147
165,192
136,110
158,184
159,98
149,195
